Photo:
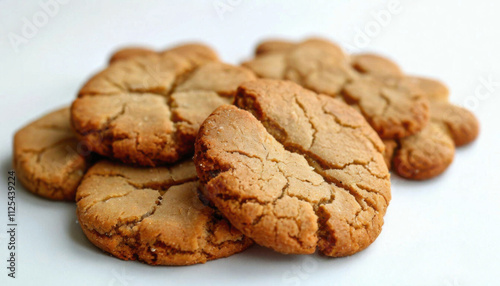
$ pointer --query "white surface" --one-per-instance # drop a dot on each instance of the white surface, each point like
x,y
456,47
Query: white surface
x,y
439,232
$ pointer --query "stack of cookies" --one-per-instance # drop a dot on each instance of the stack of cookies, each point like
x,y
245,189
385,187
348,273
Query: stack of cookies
x,y
175,158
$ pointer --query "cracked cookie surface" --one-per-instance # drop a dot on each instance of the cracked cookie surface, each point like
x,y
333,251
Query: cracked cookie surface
x,y
48,158
304,172
153,215
392,108
429,152
146,109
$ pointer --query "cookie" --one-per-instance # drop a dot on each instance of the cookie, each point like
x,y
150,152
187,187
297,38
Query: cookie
x,y
424,155
461,124
296,172
146,109
153,215
48,158
392,107
429,152
375,64
383,67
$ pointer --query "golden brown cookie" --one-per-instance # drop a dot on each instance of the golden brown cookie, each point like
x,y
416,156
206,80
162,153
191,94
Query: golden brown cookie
x,y
432,89
461,124
393,107
429,152
424,155
298,172
146,110
272,46
153,215
48,158
390,147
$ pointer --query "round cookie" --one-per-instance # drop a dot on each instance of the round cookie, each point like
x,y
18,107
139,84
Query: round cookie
x,y
429,152
461,124
153,215
48,158
296,172
146,109
424,155
393,107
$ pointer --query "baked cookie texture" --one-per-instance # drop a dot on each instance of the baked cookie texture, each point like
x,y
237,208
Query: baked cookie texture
x,y
145,108
293,170
411,114
392,107
48,159
153,215
429,152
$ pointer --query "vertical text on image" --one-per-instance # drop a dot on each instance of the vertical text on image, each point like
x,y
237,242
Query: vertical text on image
x,y
11,224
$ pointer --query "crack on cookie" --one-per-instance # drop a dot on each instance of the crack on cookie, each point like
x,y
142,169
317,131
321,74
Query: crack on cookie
x,y
124,239
104,200
363,207
309,118
175,66
358,197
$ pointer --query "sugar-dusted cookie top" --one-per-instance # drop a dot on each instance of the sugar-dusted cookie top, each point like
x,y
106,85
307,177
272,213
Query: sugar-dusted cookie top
x,y
146,109
153,215
48,158
294,170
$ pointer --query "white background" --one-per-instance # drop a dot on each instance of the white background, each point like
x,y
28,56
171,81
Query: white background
x,y
439,232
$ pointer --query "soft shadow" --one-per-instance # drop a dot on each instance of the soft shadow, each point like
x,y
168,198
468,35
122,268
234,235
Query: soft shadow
x,y
267,255
415,185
